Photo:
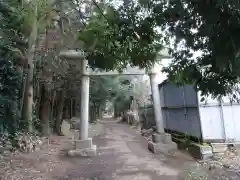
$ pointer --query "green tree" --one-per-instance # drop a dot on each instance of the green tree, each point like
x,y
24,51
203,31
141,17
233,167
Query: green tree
x,y
208,27
117,37
108,89
112,38
12,50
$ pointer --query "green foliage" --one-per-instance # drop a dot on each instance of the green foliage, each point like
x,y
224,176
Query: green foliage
x,y
107,88
12,48
113,89
114,38
209,27
121,104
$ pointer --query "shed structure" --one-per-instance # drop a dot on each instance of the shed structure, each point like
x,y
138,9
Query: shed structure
x,y
210,120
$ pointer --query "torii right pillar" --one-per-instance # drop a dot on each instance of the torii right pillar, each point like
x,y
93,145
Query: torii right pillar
x,y
161,141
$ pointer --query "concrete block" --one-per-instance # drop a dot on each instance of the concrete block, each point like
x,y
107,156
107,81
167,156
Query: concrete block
x,y
163,138
83,144
200,151
219,148
161,147
206,152
86,152
206,149
206,156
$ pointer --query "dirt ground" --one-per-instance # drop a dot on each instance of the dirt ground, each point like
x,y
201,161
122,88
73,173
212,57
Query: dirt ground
x,y
122,155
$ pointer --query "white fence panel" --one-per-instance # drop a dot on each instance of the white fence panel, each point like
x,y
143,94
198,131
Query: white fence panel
x,y
232,122
211,123
219,121
228,117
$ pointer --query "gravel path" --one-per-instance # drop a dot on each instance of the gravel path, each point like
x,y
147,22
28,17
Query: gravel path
x,y
122,155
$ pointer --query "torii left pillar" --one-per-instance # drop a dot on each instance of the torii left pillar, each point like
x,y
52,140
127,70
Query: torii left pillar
x,y
161,141
84,111
83,145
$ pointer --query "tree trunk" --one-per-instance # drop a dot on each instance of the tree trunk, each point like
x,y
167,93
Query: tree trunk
x,y
16,105
65,111
44,111
28,95
60,105
55,110
28,98
93,114
53,105
100,113
115,109
71,108
74,108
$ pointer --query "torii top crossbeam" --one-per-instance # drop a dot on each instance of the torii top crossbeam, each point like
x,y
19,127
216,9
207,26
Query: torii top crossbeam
x,y
79,55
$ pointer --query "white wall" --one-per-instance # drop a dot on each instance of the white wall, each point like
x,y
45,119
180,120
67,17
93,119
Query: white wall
x,y
220,121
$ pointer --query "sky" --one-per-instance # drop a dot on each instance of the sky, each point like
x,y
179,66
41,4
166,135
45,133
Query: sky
x,y
161,76
158,69
165,62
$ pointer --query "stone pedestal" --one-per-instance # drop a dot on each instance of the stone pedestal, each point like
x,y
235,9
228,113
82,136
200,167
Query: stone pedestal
x,y
162,138
161,143
83,148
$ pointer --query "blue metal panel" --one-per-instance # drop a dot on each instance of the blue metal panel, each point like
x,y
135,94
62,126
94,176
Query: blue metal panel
x,y
184,120
177,96
180,108
173,95
190,94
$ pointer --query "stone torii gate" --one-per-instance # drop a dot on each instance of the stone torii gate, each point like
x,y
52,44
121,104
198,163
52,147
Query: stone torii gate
x,y
84,146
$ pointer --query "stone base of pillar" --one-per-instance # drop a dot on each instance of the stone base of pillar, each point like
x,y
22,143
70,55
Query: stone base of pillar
x,y
162,143
162,138
83,148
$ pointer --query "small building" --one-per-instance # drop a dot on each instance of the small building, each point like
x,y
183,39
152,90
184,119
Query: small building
x,y
208,119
